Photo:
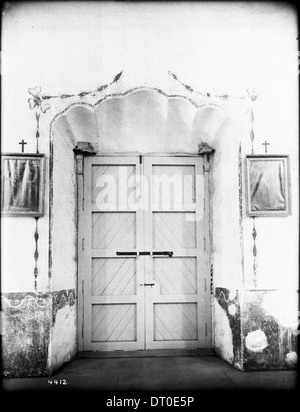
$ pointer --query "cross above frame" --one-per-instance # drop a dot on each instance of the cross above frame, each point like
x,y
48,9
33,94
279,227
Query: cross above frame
x,y
23,144
266,144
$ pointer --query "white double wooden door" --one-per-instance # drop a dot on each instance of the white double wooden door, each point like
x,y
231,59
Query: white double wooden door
x,y
143,254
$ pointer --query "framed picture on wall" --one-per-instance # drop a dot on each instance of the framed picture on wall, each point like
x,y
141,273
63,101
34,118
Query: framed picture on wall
x,y
22,184
268,185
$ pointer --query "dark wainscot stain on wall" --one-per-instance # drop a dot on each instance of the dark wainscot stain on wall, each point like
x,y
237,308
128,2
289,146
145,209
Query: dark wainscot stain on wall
x,y
26,333
280,340
60,299
28,318
233,312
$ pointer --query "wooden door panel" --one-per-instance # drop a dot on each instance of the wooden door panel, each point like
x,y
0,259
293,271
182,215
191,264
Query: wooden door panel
x,y
173,186
176,275
113,230
113,184
114,276
173,230
114,323
175,322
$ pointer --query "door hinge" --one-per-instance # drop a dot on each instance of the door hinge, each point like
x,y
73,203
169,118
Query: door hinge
x,y
204,240
211,275
205,288
82,289
205,329
141,159
82,244
79,165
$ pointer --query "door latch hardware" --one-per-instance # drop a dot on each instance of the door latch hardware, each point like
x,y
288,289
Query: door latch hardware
x,y
149,284
165,253
170,254
126,253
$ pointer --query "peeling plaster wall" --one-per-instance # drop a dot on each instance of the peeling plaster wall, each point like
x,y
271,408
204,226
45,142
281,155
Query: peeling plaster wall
x,y
63,338
63,332
26,333
39,332
227,319
269,341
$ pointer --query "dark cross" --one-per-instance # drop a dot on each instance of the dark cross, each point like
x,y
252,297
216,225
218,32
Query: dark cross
x,y
22,143
265,144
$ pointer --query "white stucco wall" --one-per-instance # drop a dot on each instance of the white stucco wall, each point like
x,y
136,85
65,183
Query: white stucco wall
x,y
63,336
277,238
67,48
64,214
17,233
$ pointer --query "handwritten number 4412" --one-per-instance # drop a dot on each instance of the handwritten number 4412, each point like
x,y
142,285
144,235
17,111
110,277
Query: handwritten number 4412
x,y
57,382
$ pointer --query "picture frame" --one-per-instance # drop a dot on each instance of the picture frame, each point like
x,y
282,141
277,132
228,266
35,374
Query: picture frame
x,y
22,184
268,185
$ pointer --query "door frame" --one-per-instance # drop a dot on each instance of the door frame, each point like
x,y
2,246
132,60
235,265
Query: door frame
x,y
80,160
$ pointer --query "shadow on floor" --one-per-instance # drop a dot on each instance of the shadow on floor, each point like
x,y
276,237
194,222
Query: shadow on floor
x,y
178,376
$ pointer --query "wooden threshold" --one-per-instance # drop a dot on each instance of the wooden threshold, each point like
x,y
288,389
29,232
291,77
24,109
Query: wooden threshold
x,y
150,353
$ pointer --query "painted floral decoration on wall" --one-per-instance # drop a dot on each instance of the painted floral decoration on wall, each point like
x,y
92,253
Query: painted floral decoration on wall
x,y
36,102
252,93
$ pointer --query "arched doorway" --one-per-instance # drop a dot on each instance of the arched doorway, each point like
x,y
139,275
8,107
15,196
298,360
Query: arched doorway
x,y
150,123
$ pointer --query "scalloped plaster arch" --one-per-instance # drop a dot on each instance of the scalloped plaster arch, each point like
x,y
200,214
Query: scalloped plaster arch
x,y
141,114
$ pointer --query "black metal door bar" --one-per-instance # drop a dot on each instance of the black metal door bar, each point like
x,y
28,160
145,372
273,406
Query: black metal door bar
x,y
170,254
126,253
165,253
